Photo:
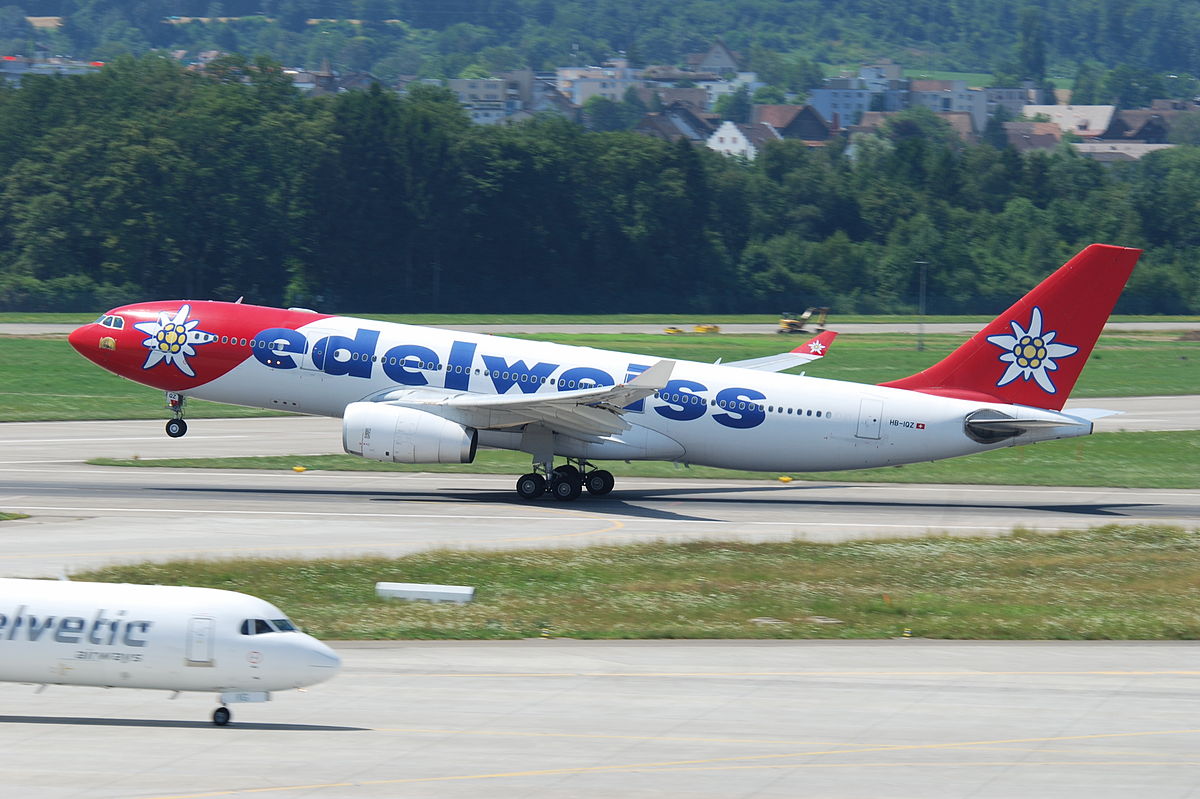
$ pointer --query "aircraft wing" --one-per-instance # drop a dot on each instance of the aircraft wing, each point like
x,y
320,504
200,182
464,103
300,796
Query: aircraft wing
x,y
586,412
812,349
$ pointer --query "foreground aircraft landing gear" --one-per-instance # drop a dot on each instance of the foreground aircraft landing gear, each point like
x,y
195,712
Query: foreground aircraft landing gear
x,y
566,482
176,427
221,716
599,482
531,486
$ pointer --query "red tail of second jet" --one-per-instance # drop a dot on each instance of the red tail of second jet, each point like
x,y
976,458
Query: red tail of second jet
x,y
1032,353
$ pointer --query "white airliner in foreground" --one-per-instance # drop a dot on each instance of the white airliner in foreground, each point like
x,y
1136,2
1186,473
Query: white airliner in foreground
x,y
425,395
155,636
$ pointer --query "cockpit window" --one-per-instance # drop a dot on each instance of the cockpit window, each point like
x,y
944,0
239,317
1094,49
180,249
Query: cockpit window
x,y
257,627
108,320
283,625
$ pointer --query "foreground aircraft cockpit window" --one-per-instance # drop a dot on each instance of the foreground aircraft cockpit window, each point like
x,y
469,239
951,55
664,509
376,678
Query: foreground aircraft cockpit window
x,y
260,626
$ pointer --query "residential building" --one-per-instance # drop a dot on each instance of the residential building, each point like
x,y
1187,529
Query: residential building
x,y
732,138
488,101
1026,136
1087,121
718,88
949,96
848,98
1148,125
796,122
1111,152
718,58
611,80
1013,100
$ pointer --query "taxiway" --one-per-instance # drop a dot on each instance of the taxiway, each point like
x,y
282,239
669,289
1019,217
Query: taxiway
x,y
696,719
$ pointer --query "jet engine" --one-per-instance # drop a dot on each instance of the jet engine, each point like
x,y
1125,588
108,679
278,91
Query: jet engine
x,y
405,435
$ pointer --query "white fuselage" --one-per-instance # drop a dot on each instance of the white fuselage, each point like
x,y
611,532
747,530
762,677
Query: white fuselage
x,y
709,414
144,636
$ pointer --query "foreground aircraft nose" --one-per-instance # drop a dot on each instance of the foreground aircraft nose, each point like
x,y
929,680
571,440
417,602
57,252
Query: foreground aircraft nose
x,y
323,662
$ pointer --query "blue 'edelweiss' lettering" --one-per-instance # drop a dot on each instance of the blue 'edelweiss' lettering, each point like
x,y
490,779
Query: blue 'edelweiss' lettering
x,y
505,375
400,361
338,355
409,364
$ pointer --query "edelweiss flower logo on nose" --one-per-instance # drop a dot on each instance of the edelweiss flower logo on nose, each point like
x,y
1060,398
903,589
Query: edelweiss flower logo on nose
x,y
1031,353
171,339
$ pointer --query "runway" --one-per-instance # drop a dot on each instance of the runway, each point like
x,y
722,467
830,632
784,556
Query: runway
x,y
700,719
86,515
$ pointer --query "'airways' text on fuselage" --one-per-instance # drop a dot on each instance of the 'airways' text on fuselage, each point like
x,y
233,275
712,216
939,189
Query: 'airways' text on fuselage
x,y
409,365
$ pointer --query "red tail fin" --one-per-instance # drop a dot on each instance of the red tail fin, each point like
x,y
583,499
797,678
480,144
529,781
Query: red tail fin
x,y
1032,353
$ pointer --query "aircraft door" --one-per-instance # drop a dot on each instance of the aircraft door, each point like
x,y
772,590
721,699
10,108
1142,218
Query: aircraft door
x,y
870,415
200,641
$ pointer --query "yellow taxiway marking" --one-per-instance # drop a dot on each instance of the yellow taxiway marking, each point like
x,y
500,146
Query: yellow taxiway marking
x,y
733,762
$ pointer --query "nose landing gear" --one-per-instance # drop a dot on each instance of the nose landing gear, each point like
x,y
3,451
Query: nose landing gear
x,y
176,426
565,483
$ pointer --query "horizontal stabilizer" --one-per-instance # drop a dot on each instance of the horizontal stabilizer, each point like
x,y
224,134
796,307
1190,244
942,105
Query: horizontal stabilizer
x,y
1092,413
810,350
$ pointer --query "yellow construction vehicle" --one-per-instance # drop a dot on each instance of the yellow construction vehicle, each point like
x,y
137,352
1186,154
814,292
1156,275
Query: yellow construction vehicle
x,y
791,323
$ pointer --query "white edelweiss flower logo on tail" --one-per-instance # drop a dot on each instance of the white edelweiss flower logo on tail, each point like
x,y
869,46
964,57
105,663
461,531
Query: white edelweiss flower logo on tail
x,y
171,339
1031,353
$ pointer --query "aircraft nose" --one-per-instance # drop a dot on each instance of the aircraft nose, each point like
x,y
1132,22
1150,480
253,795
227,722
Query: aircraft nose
x,y
323,661
83,339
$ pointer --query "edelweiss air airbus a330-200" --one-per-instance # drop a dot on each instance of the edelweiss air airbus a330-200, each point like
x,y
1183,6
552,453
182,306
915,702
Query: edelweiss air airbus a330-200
x,y
423,395
171,638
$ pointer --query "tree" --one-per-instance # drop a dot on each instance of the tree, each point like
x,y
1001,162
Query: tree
x,y
734,106
1185,129
1031,45
1086,90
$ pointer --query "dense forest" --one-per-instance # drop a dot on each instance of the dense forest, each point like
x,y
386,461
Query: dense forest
x,y
449,38
145,181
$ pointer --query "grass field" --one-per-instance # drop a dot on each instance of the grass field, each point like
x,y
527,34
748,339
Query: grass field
x,y
1105,583
1130,460
43,379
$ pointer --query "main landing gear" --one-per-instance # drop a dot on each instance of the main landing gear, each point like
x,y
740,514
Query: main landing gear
x,y
176,426
566,482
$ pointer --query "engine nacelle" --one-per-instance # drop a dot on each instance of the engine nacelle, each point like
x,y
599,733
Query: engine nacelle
x,y
405,435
